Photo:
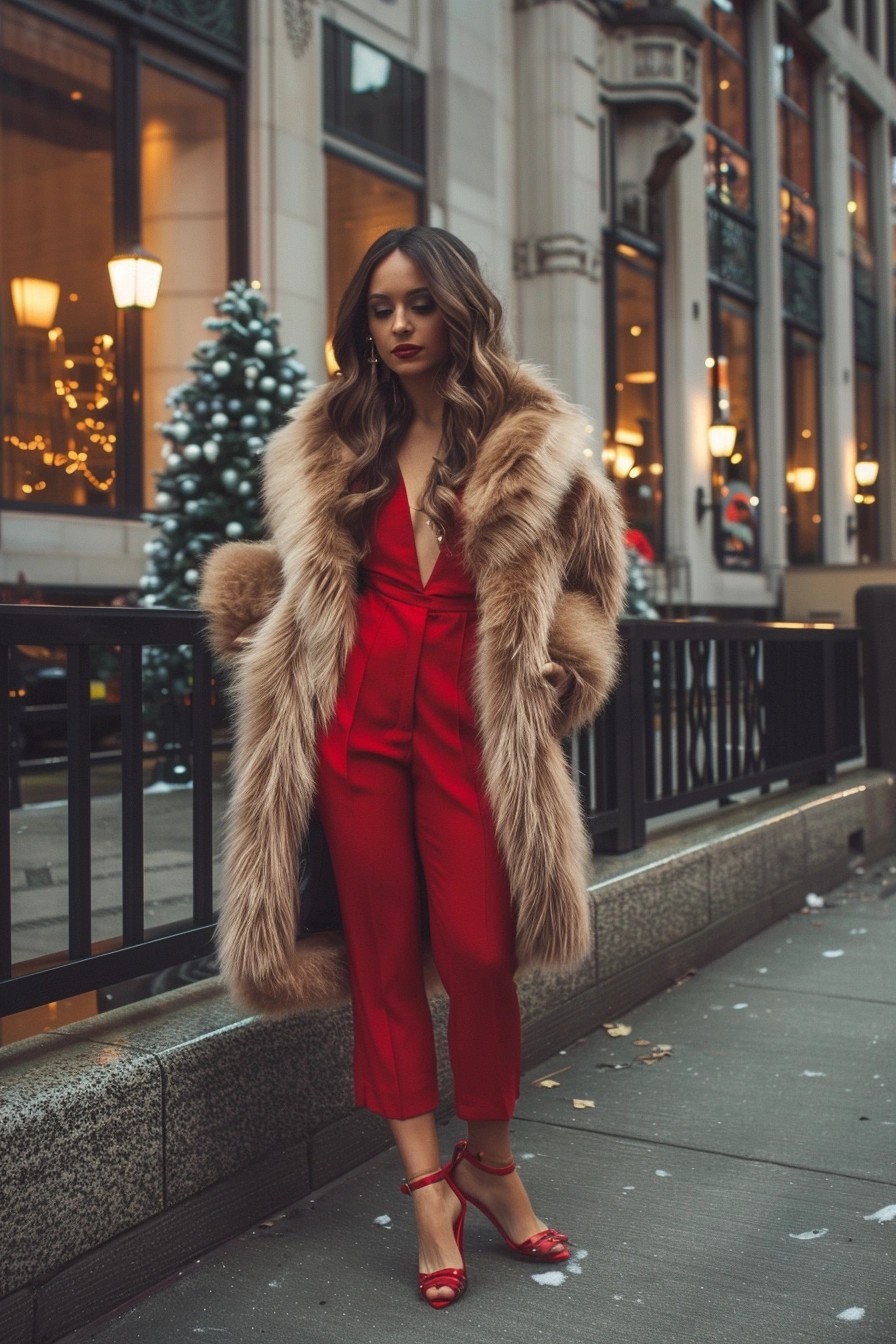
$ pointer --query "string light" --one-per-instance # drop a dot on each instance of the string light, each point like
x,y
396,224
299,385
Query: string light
x,y
93,432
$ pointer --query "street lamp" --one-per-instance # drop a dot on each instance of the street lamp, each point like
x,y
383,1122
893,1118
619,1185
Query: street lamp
x,y
34,301
865,471
135,276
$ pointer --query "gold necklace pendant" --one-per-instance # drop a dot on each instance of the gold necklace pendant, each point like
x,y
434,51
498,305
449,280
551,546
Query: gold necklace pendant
x,y
431,524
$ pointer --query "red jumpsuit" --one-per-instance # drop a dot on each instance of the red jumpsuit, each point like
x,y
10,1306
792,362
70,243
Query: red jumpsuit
x,y
402,800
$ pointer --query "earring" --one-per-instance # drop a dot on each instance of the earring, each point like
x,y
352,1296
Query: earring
x,y
371,353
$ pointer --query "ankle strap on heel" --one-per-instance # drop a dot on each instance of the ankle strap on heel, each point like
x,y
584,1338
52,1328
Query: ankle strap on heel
x,y
462,1154
428,1178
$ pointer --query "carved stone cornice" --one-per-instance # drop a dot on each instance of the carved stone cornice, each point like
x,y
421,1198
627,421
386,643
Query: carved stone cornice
x,y
299,25
556,254
650,58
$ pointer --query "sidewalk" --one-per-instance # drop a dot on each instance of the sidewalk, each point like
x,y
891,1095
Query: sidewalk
x,y
740,1188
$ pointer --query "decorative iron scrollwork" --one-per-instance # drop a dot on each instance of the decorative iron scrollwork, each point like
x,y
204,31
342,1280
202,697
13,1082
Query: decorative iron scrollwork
x,y
802,290
732,248
221,20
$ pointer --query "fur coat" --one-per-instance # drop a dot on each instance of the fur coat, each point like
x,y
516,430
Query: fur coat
x,y
541,534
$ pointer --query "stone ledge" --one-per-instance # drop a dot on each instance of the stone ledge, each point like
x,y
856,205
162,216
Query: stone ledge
x,y
131,1143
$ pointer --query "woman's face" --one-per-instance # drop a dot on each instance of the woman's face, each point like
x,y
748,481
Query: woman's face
x,y
409,332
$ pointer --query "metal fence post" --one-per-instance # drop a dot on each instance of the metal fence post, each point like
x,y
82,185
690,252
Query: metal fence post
x,y
876,615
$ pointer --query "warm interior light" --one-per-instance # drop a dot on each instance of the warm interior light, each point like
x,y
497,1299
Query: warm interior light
x,y
802,479
34,301
633,437
135,276
722,436
643,377
625,250
623,461
852,206
865,470
635,330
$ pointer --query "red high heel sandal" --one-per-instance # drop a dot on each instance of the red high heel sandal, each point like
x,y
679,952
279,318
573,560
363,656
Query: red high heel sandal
x,y
456,1279
547,1246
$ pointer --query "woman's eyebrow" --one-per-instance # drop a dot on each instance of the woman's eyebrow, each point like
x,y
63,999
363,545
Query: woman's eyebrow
x,y
421,289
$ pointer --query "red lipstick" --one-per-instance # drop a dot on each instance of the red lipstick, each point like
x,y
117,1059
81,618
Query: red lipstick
x,y
406,351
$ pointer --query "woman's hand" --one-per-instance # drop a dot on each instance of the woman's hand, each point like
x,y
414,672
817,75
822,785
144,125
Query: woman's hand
x,y
559,677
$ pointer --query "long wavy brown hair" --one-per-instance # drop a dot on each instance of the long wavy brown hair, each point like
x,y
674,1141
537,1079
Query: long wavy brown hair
x,y
368,407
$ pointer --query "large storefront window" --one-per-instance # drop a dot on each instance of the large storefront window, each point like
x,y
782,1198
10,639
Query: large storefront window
x,y
60,432
360,206
183,205
375,153
865,318
634,447
866,437
803,476
801,301
732,391
731,226
106,139
726,104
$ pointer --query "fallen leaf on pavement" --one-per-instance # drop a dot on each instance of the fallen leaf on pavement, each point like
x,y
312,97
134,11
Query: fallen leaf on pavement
x,y
581,1105
640,1042
546,1079
617,1029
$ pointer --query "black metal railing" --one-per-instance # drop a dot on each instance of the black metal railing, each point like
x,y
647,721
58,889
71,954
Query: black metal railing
x,y
703,711
121,635
709,709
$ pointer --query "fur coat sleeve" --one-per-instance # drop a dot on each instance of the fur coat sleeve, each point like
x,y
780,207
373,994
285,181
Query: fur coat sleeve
x,y
542,540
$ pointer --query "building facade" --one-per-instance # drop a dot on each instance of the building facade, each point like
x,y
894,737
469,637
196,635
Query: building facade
x,y
688,211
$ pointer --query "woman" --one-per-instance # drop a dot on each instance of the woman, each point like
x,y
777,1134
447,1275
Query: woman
x,y
437,610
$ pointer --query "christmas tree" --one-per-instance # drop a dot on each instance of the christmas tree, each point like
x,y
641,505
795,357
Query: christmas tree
x,y
638,601
244,383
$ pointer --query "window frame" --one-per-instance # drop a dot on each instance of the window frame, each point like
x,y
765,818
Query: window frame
x,y
132,41
651,251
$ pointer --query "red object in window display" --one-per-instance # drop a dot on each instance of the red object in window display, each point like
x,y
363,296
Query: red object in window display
x,y
635,538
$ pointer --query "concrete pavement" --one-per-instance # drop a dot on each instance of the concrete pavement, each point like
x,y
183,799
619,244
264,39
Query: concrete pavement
x,y
727,1172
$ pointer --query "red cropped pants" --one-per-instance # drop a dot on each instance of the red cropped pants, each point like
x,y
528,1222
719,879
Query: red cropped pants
x,y
403,806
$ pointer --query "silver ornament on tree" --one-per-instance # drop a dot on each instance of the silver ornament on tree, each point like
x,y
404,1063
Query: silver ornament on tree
x,y
211,450
221,368
233,530
219,420
193,452
264,348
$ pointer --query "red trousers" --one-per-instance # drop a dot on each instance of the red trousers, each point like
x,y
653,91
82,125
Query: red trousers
x,y
403,806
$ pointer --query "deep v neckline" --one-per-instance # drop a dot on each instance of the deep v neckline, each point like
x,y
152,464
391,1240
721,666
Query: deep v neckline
x,y
424,583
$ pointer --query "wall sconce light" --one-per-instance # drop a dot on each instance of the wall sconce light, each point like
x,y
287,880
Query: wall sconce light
x,y
722,437
623,461
802,480
34,301
865,471
135,276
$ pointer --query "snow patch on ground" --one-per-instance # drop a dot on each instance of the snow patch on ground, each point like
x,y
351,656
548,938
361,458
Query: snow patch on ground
x,y
885,1215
